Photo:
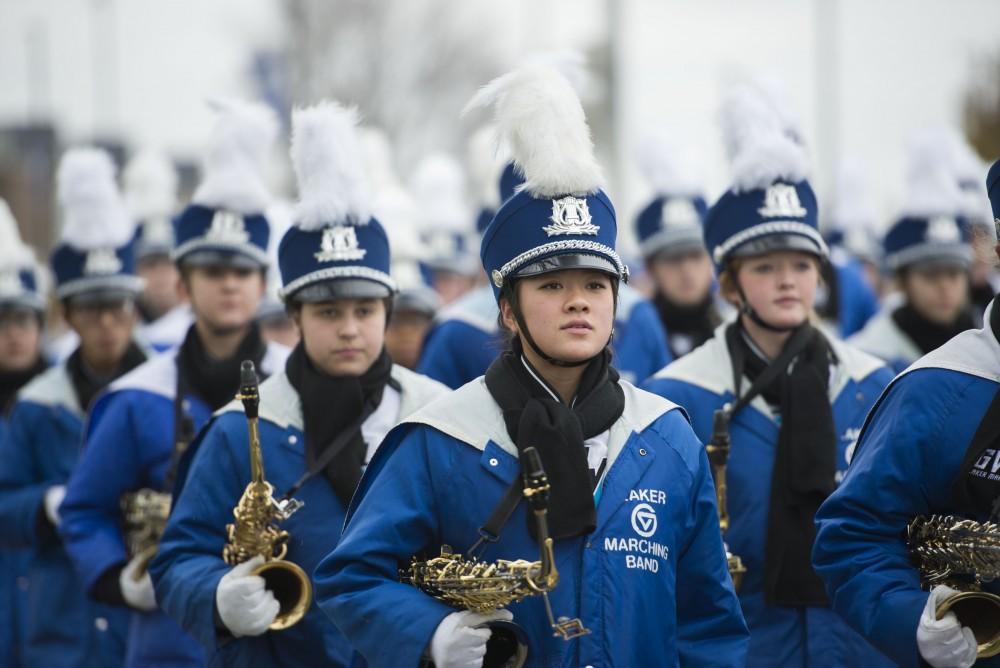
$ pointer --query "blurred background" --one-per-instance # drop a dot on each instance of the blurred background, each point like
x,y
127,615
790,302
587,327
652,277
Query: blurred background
x,y
132,74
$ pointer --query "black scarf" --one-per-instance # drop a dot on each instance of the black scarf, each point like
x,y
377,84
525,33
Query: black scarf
x,y
929,335
976,490
697,322
535,419
12,382
215,381
804,465
330,404
87,384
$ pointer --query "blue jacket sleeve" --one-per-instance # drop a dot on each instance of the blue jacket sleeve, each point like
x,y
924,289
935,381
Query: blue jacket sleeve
x,y
189,565
710,626
898,468
456,352
358,587
109,466
22,486
641,350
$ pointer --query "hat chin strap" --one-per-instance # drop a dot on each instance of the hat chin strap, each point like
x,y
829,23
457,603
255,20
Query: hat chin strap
x,y
523,327
750,312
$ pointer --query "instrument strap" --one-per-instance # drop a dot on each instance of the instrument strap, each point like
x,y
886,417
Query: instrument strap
x,y
795,345
489,532
184,432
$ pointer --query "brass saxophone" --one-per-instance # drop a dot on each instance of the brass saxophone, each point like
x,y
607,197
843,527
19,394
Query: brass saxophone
x,y
144,518
718,457
466,582
962,554
256,531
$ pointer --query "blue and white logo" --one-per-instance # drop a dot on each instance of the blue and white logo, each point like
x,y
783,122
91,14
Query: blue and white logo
x,y
644,520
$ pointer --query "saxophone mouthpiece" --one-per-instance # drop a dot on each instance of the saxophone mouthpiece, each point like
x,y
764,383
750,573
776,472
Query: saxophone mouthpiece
x,y
536,483
248,389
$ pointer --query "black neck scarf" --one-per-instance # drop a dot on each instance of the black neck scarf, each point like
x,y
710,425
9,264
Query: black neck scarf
x,y
87,384
976,490
535,419
929,335
12,382
804,465
212,380
331,404
698,322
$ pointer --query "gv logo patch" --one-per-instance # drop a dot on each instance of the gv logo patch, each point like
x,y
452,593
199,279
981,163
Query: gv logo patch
x,y
644,520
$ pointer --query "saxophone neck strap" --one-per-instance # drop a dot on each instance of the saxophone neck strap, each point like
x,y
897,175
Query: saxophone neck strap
x,y
795,345
184,431
489,532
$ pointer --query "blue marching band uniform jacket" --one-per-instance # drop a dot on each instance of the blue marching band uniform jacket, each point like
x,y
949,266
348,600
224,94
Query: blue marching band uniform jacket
x,y
858,302
40,449
650,582
130,446
188,568
909,455
702,382
466,339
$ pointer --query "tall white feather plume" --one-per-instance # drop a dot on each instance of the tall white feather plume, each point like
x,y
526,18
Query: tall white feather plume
x,y
438,185
233,176
931,187
669,168
378,159
542,122
329,166
14,253
760,148
150,183
94,214
485,165
853,206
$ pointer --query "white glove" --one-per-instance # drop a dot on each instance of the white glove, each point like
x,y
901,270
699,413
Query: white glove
x,y
460,639
137,591
944,643
244,605
53,499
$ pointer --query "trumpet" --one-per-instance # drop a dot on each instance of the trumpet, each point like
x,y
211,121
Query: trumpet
x,y
962,554
256,530
718,457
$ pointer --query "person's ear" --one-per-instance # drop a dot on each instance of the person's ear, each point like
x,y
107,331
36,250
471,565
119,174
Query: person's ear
x,y
507,315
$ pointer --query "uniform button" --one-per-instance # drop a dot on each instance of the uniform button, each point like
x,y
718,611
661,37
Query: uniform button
x,y
642,452
494,461
101,624
23,583
187,406
293,439
588,544
859,396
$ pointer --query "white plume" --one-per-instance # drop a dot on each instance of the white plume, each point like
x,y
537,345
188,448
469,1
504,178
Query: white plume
x,y
542,122
14,253
150,182
759,146
671,169
94,214
572,64
329,166
486,163
853,205
438,185
396,210
931,187
234,163
378,159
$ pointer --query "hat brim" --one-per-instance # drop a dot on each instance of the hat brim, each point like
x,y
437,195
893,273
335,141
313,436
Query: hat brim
x,y
219,258
565,261
100,297
339,288
777,242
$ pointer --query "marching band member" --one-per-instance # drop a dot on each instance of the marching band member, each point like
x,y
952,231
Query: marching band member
x,y
140,427
320,419
928,448
929,253
632,507
793,397
97,287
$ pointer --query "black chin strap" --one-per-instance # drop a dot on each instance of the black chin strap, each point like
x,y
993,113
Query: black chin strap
x,y
750,312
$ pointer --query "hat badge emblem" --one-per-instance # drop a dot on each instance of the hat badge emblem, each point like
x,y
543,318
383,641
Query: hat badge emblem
x,y
678,213
943,230
228,227
101,261
339,243
781,200
10,284
570,215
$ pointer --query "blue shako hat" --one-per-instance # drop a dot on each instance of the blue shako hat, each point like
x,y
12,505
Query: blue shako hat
x,y
930,228
95,257
993,188
225,222
560,219
770,204
19,275
150,185
335,248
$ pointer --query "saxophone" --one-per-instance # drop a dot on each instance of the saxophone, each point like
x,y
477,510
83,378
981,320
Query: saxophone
x,y
962,554
718,457
256,531
470,584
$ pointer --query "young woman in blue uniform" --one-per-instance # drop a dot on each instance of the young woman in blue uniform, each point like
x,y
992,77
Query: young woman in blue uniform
x,y
97,286
790,398
929,447
140,426
321,418
631,507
